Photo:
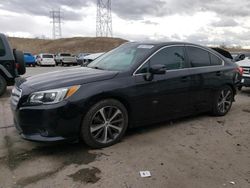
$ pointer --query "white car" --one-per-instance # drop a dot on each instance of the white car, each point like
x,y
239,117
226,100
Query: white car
x,y
46,59
245,64
89,58
65,59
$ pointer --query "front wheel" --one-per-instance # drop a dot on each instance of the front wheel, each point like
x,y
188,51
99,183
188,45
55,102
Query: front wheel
x,y
104,124
223,101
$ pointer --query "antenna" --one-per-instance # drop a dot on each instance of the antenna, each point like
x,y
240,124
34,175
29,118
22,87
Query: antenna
x,y
104,19
56,17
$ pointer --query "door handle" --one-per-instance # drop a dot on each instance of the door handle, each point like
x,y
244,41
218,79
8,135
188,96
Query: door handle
x,y
218,73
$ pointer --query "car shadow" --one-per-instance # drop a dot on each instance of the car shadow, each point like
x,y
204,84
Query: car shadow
x,y
166,124
7,93
245,91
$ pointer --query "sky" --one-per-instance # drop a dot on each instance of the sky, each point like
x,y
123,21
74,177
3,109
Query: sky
x,y
213,22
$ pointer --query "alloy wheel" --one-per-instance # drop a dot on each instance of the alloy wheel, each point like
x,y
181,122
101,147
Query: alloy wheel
x,y
107,124
225,100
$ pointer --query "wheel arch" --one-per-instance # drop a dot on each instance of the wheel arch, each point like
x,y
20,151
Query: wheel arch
x,y
104,96
232,87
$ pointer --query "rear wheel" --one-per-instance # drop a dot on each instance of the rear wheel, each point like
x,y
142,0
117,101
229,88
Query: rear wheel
x,y
223,101
104,124
3,85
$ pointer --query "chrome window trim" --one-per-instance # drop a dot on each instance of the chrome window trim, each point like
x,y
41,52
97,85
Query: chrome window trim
x,y
179,45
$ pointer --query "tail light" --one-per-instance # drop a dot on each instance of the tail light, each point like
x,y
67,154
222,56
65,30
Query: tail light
x,y
240,70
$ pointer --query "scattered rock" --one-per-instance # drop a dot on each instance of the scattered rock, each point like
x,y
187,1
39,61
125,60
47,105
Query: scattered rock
x,y
221,122
227,131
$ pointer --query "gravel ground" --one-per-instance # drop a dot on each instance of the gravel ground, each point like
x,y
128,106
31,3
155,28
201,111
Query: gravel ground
x,y
200,151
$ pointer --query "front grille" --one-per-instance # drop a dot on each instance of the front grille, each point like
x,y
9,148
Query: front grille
x,y
246,70
15,96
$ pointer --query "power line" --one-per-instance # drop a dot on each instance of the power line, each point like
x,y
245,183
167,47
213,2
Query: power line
x,y
56,17
104,19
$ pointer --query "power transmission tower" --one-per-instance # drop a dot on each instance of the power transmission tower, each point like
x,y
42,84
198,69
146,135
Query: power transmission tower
x,y
56,17
104,19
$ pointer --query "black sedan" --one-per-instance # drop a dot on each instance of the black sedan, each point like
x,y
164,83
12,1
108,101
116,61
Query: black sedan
x,y
132,85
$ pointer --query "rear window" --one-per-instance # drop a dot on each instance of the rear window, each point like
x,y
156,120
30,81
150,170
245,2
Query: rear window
x,y
215,60
67,55
198,57
2,49
48,56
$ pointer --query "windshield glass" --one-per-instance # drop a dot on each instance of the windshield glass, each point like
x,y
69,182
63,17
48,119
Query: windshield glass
x,y
121,58
48,56
66,55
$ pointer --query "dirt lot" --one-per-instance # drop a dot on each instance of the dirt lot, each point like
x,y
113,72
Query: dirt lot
x,y
196,152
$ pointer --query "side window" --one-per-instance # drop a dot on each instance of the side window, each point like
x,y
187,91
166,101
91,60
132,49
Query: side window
x,y
198,57
2,49
215,60
172,57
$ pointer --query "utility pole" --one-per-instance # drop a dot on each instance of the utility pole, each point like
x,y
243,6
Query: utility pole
x,y
104,19
56,17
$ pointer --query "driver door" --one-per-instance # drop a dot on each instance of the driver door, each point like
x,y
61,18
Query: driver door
x,y
168,95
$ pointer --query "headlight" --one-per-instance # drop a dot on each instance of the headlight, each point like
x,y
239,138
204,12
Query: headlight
x,y
52,96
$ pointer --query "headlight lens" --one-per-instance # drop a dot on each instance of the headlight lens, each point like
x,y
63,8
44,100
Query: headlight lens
x,y
52,96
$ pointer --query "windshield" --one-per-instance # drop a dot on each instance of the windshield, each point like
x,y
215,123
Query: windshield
x,y
48,56
66,55
121,58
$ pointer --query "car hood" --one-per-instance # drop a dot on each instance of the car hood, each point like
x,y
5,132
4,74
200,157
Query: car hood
x,y
65,78
244,63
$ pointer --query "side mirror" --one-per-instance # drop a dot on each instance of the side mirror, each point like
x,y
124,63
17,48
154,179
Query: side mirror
x,y
157,69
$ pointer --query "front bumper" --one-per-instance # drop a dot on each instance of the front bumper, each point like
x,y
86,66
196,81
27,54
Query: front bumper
x,y
245,81
69,61
48,63
48,123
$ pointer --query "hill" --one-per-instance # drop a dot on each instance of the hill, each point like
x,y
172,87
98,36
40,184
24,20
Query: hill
x,y
72,45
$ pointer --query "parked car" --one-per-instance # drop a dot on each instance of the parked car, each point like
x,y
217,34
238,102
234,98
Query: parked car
x,y
89,58
245,64
133,85
29,59
46,59
80,58
11,64
65,59
239,56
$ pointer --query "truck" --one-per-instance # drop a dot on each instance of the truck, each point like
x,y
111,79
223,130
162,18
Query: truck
x,y
245,65
65,59
12,64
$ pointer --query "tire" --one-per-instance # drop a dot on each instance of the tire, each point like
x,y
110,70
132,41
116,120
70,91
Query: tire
x,y
3,85
223,101
240,88
103,133
19,57
62,64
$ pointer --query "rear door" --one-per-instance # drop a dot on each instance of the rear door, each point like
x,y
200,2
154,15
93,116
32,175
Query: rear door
x,y
207,74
